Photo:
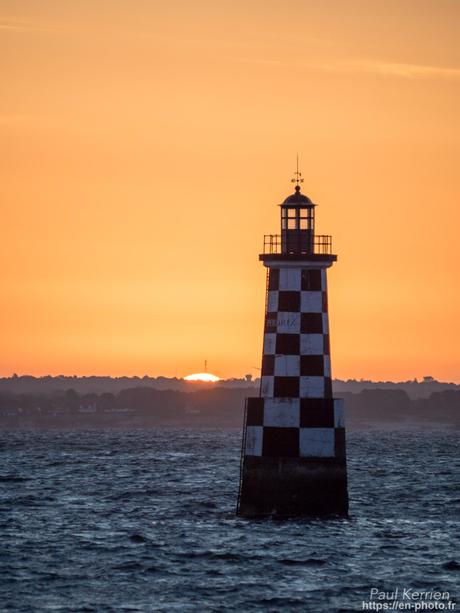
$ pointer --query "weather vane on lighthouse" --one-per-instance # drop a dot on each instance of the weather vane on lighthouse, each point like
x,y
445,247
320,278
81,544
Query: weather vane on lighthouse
x,y
297,178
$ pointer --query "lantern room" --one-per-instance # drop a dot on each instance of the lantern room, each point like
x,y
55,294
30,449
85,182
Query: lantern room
x,y
297,224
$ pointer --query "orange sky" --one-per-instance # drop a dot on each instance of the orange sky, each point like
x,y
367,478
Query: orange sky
x,y
146,146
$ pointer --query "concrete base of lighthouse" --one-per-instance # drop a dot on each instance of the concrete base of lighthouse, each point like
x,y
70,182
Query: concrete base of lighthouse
x,y
293,487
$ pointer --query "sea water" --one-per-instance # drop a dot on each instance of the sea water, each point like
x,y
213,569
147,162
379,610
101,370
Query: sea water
x,y
144,520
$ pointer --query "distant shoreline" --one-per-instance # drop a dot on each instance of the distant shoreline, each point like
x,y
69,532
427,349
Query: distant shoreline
x,y
219,406
25,384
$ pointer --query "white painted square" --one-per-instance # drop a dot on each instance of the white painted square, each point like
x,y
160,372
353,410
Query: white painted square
x,y
327,365
272,301
288,323
269,343
317,442
325,323
266,387
339,413
311,302
254,438
282,412
311,344
312,387
290,279
287,365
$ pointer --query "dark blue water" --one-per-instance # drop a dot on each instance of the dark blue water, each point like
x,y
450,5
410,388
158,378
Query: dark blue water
x,y
144,521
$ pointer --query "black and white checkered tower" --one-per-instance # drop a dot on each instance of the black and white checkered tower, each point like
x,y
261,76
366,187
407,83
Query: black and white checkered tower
x,y
293,460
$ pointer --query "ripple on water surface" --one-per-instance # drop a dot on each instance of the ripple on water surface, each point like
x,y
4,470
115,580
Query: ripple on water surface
x,y
143,520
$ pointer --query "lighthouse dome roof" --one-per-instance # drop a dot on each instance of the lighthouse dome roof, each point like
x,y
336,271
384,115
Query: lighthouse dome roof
x,y
298,198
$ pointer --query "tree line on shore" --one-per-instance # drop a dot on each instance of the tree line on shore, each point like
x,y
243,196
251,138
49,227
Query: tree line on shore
x,y
28,384
216,406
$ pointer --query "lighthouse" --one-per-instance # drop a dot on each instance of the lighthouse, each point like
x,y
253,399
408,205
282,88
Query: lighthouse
x,y
293,451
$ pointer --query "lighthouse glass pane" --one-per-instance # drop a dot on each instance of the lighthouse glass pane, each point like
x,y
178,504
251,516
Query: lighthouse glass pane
x,y
304,224
291,224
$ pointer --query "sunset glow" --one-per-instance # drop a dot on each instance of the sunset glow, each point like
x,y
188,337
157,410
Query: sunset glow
x,y
146,146
202,376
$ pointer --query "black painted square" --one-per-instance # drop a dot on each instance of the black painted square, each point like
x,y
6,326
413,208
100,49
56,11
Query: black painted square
x,y
273,279
311,281
311,323
312,365
289,301
340,447
281,442
316,413
286,387
255,412
327,387
287,344
268,365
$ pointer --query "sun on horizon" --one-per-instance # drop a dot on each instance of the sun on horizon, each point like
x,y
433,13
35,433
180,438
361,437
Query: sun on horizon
x,y
202,376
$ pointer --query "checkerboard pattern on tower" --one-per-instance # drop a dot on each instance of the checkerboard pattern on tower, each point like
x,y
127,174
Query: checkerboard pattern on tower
x,y
296,361
296,415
